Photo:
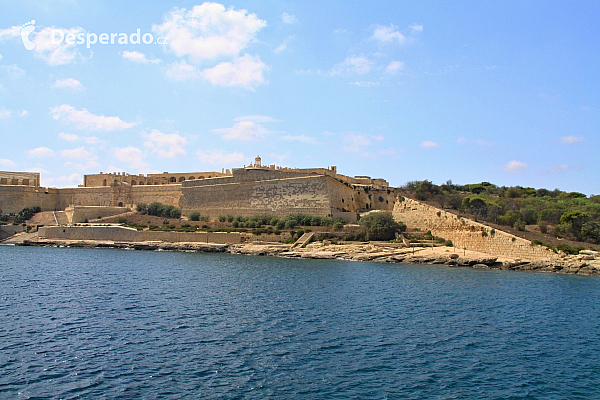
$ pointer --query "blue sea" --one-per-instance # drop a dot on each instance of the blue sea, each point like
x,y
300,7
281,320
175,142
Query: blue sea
x,y
117,324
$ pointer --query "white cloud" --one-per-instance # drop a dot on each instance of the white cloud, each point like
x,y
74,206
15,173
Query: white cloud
x,y
85,120
208,31
219,158
355,143
387,34
244,131
70,137
89,163
354,64
91,140
300,138
69,83
52,53
182,71
39,170
7,163
256,118
514,166
40,152
571,139
10,33
416,28
4,113
288,18
166,145
245,71
24,113
12,71
132,156
562,168
136,56
428,144
281,48
73,179
364,84
393,67
79,153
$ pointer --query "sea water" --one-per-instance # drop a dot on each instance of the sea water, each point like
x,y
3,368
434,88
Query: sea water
x,y
116,324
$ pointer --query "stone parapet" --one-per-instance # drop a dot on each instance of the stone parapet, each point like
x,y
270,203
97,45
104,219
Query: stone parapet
x,y
466,233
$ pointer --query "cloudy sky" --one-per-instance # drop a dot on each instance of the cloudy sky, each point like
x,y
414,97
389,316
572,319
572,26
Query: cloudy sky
x,y
471,91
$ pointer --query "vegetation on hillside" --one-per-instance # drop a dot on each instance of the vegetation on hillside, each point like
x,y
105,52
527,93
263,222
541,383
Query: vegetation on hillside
x,y
571,215
379,226
159,210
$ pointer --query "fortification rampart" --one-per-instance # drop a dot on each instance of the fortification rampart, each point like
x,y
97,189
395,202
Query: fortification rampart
x,y
277,197
123,234
121,178
79,214
466,233
20,178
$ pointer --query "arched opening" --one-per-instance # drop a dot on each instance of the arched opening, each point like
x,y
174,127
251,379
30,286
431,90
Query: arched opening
x,y
191,178
201,177
182,179
26,182
104,182
173,179
133,183
116,183
120,204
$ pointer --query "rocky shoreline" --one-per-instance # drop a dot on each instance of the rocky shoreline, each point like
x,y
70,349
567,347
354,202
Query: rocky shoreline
x,y
583,264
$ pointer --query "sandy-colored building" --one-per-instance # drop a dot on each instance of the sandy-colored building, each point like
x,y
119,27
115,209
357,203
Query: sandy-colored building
x,y
251,190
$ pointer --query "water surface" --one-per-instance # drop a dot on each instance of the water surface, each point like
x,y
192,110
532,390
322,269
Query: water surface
x,y
115,324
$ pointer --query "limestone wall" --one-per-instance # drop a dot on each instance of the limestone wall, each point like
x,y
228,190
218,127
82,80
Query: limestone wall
x,y
9,230
277,197
14,198
81,213
119,178
20,178
466,233
124,234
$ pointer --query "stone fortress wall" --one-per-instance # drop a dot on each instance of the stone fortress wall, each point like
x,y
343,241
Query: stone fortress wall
x,y
465,233
252,190
166,178
20,178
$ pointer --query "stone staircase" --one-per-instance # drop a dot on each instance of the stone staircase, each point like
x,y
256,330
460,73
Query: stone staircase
x,y
303,240
61,218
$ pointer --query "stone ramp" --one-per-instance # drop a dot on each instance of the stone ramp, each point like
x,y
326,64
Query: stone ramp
x,y
303,240
45,218
61,218
19,238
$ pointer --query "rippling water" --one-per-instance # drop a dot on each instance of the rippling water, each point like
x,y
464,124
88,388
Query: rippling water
x,y
114,324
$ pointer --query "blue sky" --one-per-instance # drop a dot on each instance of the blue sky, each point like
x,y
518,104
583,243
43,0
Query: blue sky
x,y
472,91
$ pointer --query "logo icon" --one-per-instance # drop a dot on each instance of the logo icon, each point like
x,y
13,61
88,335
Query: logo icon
x,y
25,31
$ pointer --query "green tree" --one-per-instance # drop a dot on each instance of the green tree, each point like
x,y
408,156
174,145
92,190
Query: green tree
x,y
380,226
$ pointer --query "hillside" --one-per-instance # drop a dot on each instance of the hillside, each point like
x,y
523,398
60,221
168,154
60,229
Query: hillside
x,y
554,218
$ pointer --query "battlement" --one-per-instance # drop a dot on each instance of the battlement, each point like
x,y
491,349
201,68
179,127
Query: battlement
x,y
20,178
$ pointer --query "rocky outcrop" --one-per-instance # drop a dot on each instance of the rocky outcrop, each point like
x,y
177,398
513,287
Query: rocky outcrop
x,y
564,264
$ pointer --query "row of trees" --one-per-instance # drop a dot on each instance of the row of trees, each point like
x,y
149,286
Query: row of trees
x,y
159,210
572,214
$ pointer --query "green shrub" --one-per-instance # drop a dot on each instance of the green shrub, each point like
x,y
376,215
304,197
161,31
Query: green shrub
x,y
380,226
122,220
449,243
222,218
26,213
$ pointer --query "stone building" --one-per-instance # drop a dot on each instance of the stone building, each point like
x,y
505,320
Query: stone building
x,y
251,190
